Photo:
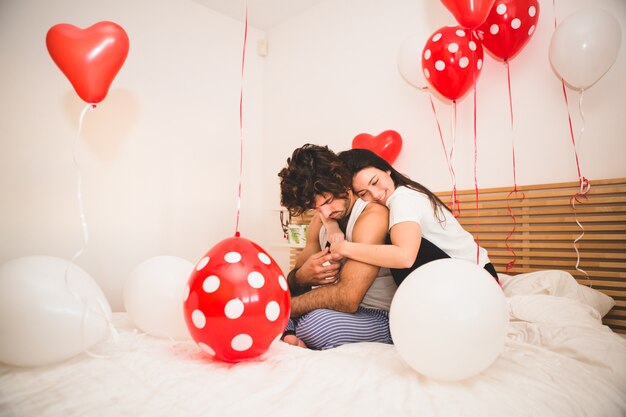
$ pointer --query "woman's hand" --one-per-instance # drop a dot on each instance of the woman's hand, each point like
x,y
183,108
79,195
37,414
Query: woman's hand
x,y
335,236
340,248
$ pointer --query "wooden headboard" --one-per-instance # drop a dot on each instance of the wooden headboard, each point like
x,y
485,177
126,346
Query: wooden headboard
x,y
545,232
546,229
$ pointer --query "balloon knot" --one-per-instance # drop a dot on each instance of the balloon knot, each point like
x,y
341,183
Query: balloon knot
x,y
237,234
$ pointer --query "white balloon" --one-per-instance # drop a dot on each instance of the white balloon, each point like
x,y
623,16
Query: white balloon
x,y
410,60
153,296
46,315
448,320
584,46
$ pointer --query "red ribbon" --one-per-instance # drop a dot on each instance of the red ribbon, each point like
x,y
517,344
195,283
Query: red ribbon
x,y
454,206
585,186
515,192
243,62
475,164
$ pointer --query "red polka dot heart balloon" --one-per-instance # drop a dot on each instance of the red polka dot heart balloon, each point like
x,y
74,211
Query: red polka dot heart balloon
x,y
237,301
452,60
509,26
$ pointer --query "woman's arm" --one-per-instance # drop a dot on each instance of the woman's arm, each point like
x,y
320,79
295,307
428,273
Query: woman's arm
x,y
406,238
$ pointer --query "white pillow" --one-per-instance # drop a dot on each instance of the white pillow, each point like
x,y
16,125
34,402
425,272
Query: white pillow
x,y
557,283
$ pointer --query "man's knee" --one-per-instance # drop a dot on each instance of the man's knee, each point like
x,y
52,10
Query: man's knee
x,y
319,330
325,329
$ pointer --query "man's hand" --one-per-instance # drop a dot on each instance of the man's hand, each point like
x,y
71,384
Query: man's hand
x,y
321,268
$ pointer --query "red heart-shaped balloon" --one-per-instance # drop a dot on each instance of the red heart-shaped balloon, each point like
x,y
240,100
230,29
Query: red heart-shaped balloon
x,y
387,145
469,13
90,58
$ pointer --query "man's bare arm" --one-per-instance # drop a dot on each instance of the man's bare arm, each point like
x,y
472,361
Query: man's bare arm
x,y
355,277
313,265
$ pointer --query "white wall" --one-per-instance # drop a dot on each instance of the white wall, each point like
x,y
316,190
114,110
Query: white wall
x,y
160,155
332,73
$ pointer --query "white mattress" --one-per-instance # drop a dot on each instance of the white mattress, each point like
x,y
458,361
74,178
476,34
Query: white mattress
x,y
559,360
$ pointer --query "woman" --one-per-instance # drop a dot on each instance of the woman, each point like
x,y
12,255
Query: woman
x,y
422,228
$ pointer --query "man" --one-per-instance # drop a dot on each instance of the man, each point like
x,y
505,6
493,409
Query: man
x,y
334,301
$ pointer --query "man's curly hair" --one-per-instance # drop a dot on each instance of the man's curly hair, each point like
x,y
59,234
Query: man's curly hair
x,y
312,170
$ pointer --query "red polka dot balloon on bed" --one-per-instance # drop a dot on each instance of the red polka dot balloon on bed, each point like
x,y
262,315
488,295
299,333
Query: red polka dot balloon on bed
x,y
509,26
237,301
452,60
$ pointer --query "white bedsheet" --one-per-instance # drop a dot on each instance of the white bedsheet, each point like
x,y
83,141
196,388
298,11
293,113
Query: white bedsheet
x,y
559,361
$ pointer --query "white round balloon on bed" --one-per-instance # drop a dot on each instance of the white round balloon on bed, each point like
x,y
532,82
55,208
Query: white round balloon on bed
x,y
448,320
50,311
153,296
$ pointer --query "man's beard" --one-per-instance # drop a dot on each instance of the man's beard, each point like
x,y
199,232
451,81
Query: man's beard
x,y
345,215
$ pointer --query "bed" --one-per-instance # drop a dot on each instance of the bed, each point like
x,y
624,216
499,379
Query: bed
x,y
559,359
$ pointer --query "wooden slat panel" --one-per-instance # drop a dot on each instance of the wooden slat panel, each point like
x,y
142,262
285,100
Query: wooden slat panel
x,y
532,203
549,220
545,230
580,209
614,293
613,246
554,228
493,253
617,237
617,325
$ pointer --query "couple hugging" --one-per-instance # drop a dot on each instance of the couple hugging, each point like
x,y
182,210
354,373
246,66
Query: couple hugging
x,y
372,228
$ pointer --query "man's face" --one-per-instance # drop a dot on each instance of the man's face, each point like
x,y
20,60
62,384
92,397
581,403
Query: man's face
x,y
330,207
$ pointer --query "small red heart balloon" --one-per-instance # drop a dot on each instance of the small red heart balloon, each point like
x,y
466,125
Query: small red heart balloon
x,y
90,58
237,301
387,145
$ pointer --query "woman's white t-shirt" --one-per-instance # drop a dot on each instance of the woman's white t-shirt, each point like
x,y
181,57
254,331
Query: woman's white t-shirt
x,y
407,205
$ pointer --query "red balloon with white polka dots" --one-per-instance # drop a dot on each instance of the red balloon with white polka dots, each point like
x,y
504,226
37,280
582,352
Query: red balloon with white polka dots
x,y
452,60
237,301
509,26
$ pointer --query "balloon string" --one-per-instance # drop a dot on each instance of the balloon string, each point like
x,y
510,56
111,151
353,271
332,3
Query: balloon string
x,y
476,177
582,116
79,197
584,185
454,204
101,310
110,327
476,169
515,192
582,193
456,207
243,62
79,181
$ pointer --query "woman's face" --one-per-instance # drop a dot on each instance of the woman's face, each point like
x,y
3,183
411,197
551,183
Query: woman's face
x,y
373,184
